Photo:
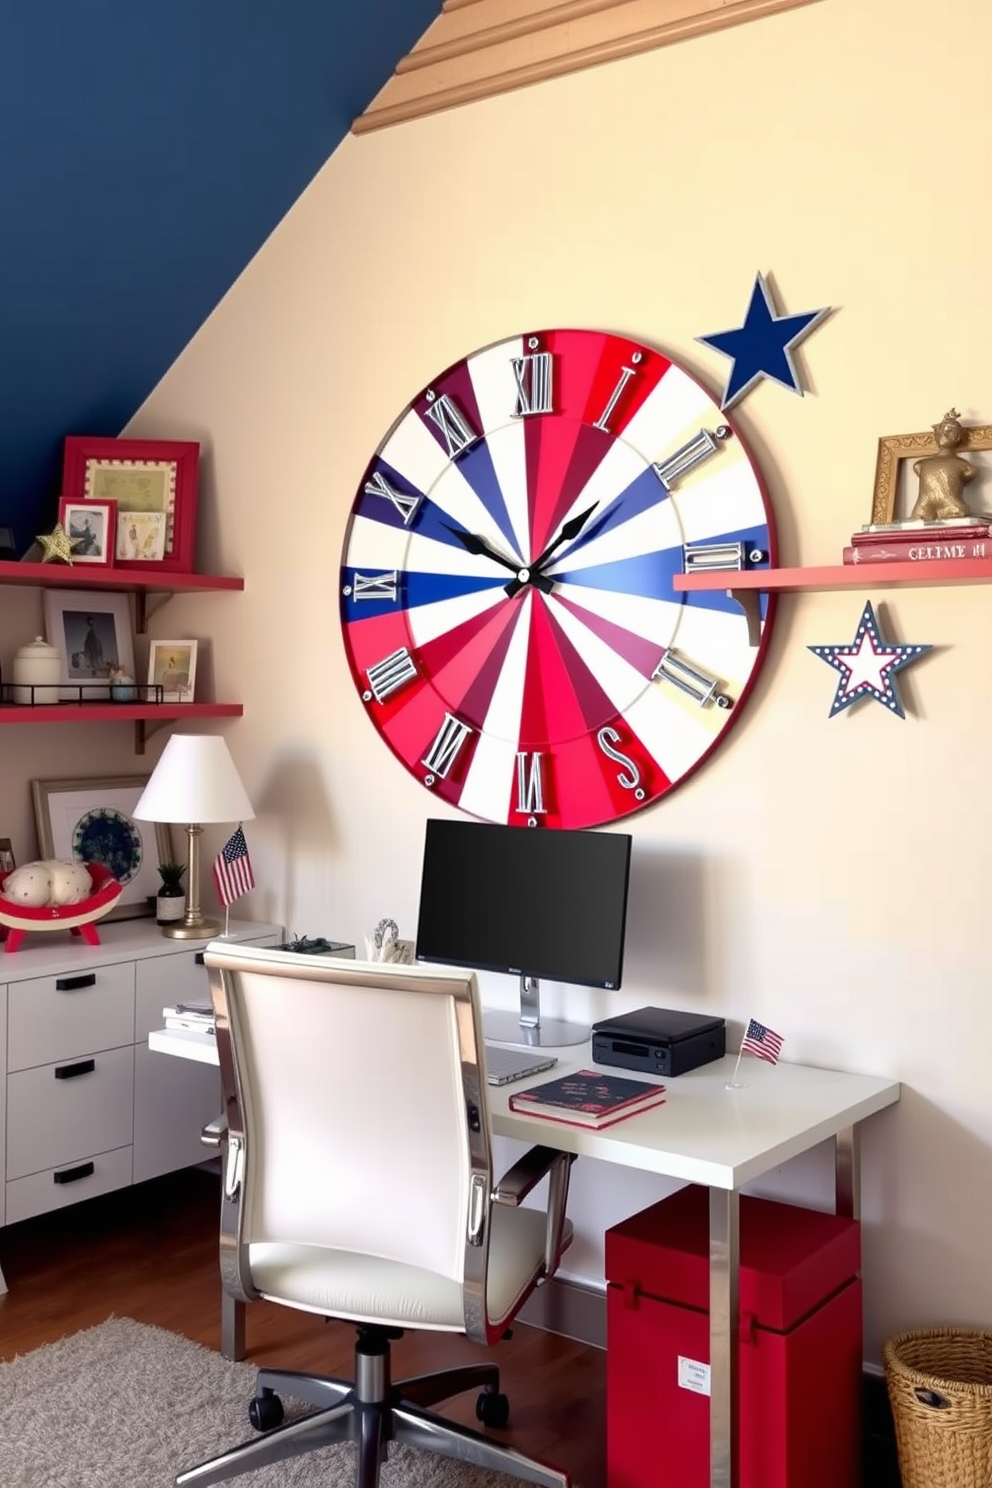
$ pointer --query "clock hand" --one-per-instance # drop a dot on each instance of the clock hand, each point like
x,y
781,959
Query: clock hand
x,y
571,529
478,545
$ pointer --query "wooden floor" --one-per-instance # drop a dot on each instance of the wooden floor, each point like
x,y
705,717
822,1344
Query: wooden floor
x,y
150,1253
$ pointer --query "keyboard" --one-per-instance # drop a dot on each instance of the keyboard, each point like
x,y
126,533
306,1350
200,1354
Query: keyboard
x,y
505,1065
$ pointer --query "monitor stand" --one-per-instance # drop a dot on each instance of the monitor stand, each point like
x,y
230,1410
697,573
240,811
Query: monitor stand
x,y
528,1027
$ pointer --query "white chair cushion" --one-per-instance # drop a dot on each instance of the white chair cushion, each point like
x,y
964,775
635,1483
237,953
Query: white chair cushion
x,y
342,1284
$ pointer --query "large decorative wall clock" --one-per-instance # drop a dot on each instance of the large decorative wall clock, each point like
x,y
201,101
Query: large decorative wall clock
x,y
506,590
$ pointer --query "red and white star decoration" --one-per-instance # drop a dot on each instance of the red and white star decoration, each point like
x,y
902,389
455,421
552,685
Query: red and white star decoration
x,y
868,666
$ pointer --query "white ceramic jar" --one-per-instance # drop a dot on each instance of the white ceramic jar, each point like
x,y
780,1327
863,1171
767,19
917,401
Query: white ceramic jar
x,y
37,666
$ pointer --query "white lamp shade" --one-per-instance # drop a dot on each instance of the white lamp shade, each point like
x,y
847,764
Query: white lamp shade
x,y
195,781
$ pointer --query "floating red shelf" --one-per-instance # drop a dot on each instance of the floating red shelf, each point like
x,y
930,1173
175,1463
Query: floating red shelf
x,y
96,576
840,576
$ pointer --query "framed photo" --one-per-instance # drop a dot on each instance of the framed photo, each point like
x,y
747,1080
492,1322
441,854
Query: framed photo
x,y
93,525
92,633
154,484
141,535
172,666
894,496
7,863
92,821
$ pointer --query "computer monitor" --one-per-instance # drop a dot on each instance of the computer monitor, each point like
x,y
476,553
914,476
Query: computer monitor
x,y
528,902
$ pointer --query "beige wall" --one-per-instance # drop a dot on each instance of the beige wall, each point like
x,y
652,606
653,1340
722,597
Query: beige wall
x,y
829,876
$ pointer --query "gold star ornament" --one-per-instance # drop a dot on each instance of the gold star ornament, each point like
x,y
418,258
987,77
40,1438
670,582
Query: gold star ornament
x,y
58,545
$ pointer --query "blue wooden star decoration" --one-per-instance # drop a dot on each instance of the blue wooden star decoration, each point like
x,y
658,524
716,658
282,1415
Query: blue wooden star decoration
x,y
868,666
762,346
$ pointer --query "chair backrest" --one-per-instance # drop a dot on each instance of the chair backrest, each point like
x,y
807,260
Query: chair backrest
x,y
356,1092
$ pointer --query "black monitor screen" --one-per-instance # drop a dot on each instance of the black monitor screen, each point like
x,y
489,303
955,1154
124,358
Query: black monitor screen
x,y
539,903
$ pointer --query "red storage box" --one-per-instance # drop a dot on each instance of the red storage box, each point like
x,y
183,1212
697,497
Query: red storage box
x,y
800,1357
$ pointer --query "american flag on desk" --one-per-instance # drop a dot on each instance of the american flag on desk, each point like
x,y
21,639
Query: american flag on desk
x,y
232,869
764,1042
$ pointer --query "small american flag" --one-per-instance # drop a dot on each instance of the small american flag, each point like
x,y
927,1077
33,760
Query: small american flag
x,y
232,869
764,1042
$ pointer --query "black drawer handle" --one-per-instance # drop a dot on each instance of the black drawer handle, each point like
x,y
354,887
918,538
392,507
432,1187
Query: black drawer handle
x,y
198,959
72,984
70,1071
72,1175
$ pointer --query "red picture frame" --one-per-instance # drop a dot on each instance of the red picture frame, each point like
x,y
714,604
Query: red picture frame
x,y
155,475
101,543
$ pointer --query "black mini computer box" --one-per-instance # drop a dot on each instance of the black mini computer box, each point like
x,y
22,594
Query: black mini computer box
x,y
659,1041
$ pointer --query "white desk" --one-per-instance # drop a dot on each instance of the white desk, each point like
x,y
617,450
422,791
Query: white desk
x,y
704,1133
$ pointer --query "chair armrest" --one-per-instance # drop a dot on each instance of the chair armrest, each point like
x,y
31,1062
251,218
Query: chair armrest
x,y
214,1132
525,1175
517,1182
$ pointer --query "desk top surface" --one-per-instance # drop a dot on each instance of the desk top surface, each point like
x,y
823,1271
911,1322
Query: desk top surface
x,y
703,1133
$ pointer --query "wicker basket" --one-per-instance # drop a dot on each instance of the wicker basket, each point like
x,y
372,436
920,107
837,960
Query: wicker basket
x,y
940,1388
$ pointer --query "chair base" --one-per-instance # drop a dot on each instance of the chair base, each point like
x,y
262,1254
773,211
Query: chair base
x,y
372,1412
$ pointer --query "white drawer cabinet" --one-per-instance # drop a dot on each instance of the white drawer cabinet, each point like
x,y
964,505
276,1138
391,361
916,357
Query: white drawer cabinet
x,y
85,1106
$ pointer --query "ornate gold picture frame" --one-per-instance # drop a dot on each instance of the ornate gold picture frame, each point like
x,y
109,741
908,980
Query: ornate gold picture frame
x,y
896,447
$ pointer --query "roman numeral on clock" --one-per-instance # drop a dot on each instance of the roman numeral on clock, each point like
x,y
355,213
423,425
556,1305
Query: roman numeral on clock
x,y
405,504
689,455
691,680
391,672
533,375
443,752
629,777
458,434
603,422
530,784
375,586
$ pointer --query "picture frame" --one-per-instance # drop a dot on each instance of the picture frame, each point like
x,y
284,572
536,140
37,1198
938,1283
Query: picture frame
x,y
92,633
172,666
893,449
93,821
93,524
142,477
7,860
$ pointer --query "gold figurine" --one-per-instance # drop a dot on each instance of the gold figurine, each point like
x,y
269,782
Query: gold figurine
x,y
943,476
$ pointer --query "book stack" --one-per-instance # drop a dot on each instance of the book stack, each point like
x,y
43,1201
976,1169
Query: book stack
x,y
921,542
190,1017
587,1098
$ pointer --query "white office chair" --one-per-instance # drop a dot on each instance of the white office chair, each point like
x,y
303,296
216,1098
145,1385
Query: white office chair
x,y
357,1183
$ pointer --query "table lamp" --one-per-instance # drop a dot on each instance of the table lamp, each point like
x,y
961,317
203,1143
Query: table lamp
x,y
194,782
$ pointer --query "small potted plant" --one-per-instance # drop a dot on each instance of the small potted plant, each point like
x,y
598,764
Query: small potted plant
x,y
170,905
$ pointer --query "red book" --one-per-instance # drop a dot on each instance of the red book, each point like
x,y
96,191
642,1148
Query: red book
x,y
587,1098
903,551
948,534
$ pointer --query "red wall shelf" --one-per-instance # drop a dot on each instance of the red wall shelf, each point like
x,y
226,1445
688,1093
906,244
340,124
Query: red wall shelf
x,y
97,576
840,576
140,714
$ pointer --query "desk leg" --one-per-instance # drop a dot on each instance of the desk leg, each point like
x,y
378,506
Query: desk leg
x,y
724,1335
847,1172
232,1327
3,1284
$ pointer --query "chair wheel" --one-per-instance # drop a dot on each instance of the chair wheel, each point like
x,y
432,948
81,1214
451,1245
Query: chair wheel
x,y
493,1409
265,1411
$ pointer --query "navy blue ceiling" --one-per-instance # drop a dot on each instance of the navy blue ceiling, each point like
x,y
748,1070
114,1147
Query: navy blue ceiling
x,y
147,149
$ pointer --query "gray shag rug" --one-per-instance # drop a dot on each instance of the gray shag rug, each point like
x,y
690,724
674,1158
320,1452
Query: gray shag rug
x,y
124,1405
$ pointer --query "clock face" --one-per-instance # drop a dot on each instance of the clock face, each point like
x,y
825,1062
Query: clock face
x,y
506,590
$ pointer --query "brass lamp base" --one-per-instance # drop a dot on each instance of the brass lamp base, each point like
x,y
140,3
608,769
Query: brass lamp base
x,y
192,930
193,925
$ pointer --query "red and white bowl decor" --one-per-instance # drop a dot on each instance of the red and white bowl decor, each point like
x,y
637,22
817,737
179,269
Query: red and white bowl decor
x,y
17,919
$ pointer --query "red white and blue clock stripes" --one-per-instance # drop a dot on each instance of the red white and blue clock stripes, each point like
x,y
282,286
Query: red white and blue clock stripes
x,y
507,600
